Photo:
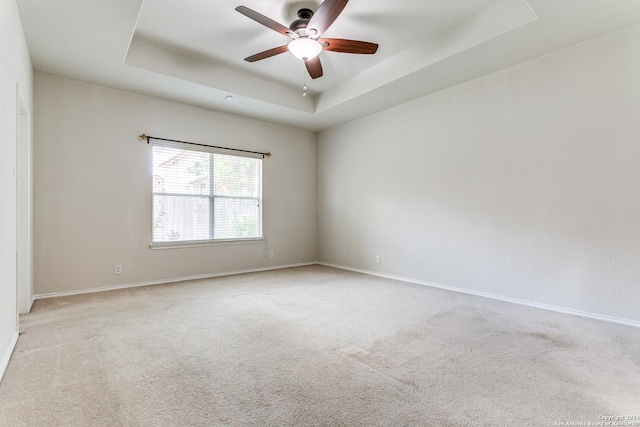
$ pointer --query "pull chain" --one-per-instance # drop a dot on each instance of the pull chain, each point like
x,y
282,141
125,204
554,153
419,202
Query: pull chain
x,y
304,83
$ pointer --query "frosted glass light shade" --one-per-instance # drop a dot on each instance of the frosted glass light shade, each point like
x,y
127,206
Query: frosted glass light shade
x,y
305,48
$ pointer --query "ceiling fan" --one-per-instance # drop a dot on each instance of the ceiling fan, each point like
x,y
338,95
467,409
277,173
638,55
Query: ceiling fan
x,y
305,33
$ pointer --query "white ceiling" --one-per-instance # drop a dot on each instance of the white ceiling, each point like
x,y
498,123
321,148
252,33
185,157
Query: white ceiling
x,y
192,51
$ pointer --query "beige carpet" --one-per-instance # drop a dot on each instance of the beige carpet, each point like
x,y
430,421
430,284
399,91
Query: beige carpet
x,y
313,346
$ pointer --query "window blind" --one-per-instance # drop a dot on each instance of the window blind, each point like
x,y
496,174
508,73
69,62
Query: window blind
x,y
204,195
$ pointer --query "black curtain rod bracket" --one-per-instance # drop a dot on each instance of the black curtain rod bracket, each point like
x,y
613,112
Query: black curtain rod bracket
x,y
148,138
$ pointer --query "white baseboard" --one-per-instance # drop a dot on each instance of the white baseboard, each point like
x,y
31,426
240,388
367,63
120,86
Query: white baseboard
x,y
163,281
627,322
30,306
557,309
7,355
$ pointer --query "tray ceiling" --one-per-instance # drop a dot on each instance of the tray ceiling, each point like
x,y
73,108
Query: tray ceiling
x,y
192,51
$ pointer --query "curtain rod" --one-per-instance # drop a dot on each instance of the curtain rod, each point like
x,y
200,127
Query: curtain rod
x,y
147,137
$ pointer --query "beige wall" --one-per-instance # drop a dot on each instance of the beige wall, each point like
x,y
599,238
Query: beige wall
x,y
522,184
92,184
15,72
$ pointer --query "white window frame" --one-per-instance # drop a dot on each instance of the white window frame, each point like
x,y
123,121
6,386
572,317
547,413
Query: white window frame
x,y
211,197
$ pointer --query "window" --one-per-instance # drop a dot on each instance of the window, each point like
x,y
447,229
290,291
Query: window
x,y
205,195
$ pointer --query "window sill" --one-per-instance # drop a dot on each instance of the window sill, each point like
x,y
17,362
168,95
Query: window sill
x,y
195,244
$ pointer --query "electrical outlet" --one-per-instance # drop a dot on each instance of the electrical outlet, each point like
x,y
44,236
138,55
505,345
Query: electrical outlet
x,y
272,254
117,269
344,254
377,259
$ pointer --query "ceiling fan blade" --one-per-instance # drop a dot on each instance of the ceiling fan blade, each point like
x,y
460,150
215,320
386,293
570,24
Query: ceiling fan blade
x,y
267,53
348,46
267,22
314,67
324,17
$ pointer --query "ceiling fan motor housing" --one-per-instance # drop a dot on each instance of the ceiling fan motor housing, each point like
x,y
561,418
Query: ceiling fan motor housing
x,y
300,25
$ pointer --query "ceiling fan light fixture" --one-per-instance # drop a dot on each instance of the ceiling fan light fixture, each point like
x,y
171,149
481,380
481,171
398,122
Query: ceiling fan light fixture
x,y
304,48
